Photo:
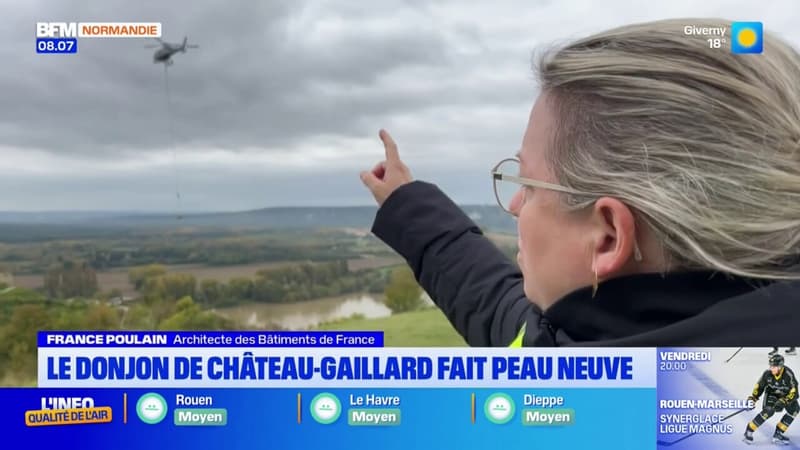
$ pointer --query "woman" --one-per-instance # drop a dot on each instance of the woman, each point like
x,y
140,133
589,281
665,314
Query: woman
x,y
658,202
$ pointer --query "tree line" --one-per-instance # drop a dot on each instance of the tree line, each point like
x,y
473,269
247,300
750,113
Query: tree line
x,y
216,250
24,312
287,284
172,301
70,279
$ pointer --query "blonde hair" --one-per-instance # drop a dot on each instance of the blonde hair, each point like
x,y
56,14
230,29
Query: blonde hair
x,y
702,143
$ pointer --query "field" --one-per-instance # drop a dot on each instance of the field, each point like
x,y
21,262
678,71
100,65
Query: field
x,y
503,239
373,262
118,278
424,328
320,276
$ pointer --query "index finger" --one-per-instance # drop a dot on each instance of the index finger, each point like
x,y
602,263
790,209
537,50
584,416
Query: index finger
x,y
391,147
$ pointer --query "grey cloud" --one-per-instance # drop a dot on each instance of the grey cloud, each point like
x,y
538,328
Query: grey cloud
x,y
451,79
249,84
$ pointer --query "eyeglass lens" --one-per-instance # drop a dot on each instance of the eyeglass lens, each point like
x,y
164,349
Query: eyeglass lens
x,y
506,190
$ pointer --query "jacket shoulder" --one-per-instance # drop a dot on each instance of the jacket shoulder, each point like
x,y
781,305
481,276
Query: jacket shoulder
x,y
468,277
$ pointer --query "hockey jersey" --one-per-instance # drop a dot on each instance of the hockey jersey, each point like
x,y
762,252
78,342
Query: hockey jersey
x,y
782,386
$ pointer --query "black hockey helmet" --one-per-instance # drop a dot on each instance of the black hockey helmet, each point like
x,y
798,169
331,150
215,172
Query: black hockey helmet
x,y
776,361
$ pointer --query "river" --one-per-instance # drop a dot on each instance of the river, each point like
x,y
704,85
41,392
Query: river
x,y
307,314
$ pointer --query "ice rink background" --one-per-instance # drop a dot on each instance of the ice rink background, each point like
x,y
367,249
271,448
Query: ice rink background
x,y
718,379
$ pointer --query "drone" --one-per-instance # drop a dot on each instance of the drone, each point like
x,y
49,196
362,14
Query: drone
x,y
166,50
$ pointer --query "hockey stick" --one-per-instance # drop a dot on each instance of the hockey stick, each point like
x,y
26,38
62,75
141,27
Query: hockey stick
x,y
671,443
736,353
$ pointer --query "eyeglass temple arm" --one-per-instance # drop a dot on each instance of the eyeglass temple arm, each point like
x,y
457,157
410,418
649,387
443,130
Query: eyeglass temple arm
x,y
637,252
535,183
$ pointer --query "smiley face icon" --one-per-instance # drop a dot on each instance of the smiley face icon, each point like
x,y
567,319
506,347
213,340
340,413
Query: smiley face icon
x,y
325,408
499,408
151,408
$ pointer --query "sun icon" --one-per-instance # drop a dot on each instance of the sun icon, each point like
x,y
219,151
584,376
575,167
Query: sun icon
x,y
747,37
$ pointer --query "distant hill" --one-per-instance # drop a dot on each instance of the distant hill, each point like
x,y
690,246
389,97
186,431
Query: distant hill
x,y
489,217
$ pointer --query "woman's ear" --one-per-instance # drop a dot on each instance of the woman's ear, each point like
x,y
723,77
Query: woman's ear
x,y
614,237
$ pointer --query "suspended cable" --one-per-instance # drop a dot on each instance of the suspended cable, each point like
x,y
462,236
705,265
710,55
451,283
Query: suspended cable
x,y
178,213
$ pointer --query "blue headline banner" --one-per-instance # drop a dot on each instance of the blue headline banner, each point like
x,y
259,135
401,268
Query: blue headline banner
x,y
279,367
651,398
210,339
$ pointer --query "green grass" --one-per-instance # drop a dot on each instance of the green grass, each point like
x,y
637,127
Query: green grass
x,y
424,328
14,381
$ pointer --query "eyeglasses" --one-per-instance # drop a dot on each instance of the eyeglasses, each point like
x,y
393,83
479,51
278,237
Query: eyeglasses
x,y
507,186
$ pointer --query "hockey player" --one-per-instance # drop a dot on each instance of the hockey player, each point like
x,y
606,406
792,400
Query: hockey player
x,y
779,386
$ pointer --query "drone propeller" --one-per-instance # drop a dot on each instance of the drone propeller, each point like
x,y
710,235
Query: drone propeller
x,y
152,46
192,46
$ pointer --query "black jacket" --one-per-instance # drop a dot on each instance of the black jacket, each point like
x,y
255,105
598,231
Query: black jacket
x,y
480,291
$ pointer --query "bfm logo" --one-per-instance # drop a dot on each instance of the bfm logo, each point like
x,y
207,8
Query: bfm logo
x,y
56,29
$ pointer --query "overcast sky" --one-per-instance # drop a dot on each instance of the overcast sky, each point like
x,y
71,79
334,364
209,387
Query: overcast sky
x,y
282,102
